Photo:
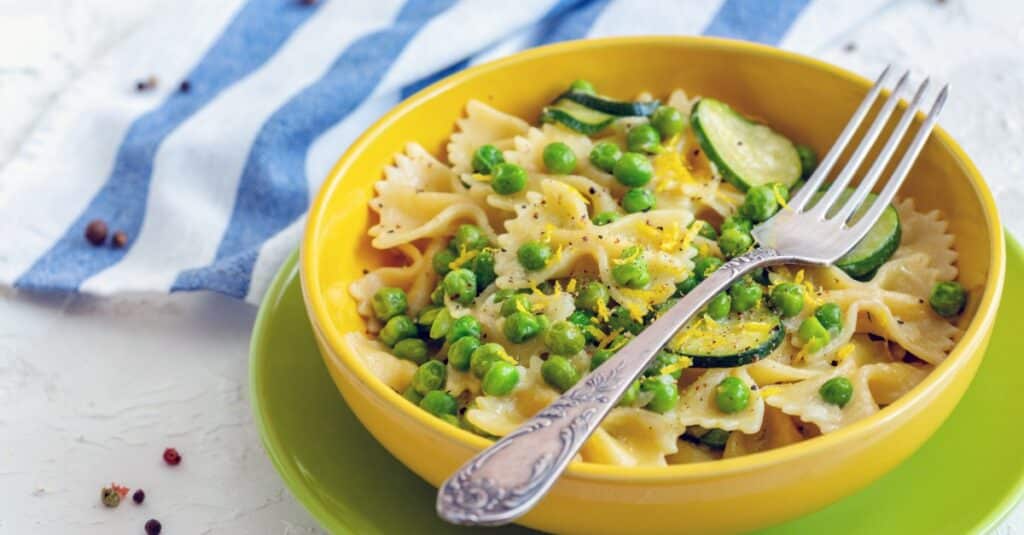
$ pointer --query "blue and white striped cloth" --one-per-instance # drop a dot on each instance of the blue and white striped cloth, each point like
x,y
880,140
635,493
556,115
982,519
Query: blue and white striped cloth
x,y
211,184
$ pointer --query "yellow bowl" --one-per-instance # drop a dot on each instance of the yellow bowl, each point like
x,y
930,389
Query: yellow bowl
x,y
805,99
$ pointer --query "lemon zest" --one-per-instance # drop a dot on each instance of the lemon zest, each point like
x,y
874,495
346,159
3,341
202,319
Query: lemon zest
x,y
679,365
602,310
558,253
778,196
595,332
799,279
608,338
545,237
844,352
507,358
757,326
768,391
536,290
571,286
482,177
632,257
521,307
691,233
558,289
464,256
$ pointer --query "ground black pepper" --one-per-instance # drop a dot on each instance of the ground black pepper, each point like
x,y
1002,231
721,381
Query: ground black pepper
x,y
153,527
119,240
96,232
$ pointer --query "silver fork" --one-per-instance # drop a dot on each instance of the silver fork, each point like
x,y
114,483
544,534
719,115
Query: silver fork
x,y
507,479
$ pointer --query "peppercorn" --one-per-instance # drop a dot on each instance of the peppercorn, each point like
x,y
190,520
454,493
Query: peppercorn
x,y
172,457
119,240
146,84
153,527
138,496
96,232
185,86
110,497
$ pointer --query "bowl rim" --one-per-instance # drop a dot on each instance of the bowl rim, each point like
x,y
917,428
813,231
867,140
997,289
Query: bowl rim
x,y
969,343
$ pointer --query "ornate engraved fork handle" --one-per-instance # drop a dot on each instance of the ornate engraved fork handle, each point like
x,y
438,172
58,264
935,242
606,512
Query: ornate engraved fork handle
x,y
507,479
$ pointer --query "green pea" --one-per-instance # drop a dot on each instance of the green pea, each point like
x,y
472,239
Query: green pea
x,y
605,155
629,396
737,221
460,285
462,327
483,268
592,297
948,298
668,120
643,138
707,230
429,376
412,349
389,302
745,295
469,238
564,338
460,351
483,357
558,372
442,324
437,294
830,316
600,357
451,419
604,218
559,158
633,170
734,242
508,178
620,319
412,395
520,327
715,438
808,160
516,303
582,86
638,200
837,391
485,158
719,306
583,320
442,261
760,203
687,285
732,395
534,255
397,329
664,393
439,403
704,265
813,334
788,299
500,379
661,361
632,273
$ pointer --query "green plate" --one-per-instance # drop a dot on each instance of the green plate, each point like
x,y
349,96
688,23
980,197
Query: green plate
x,y
963,480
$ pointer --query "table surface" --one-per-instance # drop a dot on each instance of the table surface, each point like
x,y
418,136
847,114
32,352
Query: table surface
x,y
94,390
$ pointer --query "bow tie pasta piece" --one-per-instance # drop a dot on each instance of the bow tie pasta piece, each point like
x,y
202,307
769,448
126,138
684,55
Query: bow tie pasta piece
x,y
697,405
803,399
500,416
777,431
416,278
482,125
633,437
408,211
391,370
926,233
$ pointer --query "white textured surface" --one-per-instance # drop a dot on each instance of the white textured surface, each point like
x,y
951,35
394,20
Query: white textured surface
x,y
92,391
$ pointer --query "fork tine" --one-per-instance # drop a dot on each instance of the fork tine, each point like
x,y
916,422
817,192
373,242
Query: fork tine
x,y
889,191
869,180
818,178
839,184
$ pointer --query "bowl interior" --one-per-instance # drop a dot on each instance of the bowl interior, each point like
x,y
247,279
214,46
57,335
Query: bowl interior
x,y
806,100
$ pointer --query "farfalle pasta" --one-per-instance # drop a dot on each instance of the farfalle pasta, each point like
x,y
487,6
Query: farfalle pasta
x,y
536,250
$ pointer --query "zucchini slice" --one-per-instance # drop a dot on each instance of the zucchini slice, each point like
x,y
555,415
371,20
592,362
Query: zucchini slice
x,y
610,106
877,246
737,340
746,153
576,117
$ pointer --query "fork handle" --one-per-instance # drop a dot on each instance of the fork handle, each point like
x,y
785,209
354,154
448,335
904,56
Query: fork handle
x,y
507,479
